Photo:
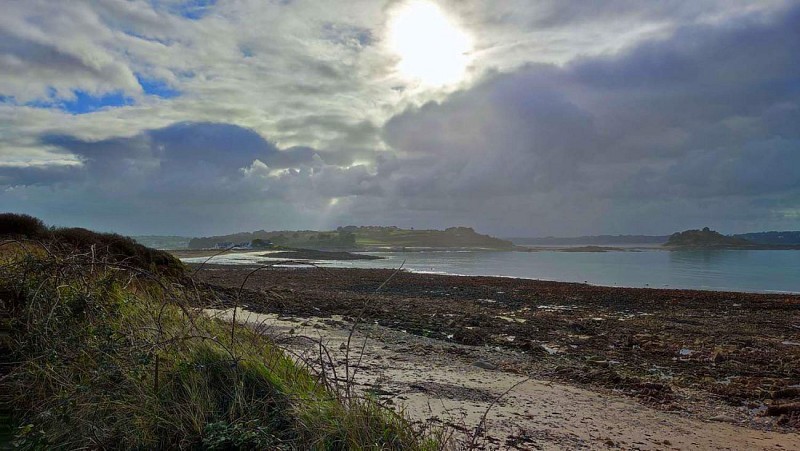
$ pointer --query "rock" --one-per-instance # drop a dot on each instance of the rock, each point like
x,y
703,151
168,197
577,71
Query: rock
x,y
485,365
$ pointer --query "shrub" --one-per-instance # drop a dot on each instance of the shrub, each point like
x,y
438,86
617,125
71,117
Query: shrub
x,y
21,225
108,359
117,248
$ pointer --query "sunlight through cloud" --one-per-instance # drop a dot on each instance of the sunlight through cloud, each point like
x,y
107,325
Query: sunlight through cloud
x,y
432,48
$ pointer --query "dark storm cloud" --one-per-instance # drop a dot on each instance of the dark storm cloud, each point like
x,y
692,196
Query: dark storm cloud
x,y
184,172
706,114
560,13
189,163
223,149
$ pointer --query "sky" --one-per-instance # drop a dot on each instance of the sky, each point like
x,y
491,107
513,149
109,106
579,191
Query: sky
x,y
515,117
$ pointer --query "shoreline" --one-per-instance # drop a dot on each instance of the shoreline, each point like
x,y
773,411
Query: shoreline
x,y
632,287
705,354
628,366
448,384
298,264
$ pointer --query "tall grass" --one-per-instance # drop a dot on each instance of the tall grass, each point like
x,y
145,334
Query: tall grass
x,y
109,355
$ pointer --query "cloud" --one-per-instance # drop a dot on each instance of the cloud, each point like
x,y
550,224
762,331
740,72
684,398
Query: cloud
x,y
43,53
197,152
701,117
205,117
38,175
189,171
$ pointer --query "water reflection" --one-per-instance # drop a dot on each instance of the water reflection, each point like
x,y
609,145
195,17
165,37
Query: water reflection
x,y
705,257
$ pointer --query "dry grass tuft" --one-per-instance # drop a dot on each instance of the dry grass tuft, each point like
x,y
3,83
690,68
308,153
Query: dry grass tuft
x,y
108,352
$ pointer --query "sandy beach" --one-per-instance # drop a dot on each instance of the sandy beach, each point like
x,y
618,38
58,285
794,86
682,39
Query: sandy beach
x,y
454,385
597,367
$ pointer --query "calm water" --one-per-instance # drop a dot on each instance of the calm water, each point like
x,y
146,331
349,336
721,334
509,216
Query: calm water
x,y
733,270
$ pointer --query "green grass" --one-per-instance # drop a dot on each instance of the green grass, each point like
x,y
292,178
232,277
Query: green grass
x,y
112,357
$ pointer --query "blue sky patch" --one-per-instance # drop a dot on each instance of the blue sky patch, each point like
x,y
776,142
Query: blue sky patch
x,y
194,9
156,87
85,102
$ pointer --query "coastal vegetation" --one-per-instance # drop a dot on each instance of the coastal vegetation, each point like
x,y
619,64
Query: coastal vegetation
x,y
111,347
366,237
163,241
305,239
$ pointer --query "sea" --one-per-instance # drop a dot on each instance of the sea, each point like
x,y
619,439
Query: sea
x,y
765,271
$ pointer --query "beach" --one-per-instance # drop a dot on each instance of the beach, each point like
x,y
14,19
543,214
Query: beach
x,y
598,367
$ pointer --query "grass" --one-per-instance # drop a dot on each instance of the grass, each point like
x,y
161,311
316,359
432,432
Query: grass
x,y
109,355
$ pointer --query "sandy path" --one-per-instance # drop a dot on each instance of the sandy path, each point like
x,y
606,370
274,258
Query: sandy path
x,y
430,379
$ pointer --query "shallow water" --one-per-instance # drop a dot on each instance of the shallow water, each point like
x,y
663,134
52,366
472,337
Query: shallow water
x,y
732,270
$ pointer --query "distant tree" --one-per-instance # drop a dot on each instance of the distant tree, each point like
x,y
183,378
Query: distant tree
x,y
260,244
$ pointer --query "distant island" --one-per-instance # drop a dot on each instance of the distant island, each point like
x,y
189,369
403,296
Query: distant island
x,y
357,238
710,239
395,238
786,238
592,240
704,238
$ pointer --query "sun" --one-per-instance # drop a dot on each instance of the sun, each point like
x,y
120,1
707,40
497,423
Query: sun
x,y
432,48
